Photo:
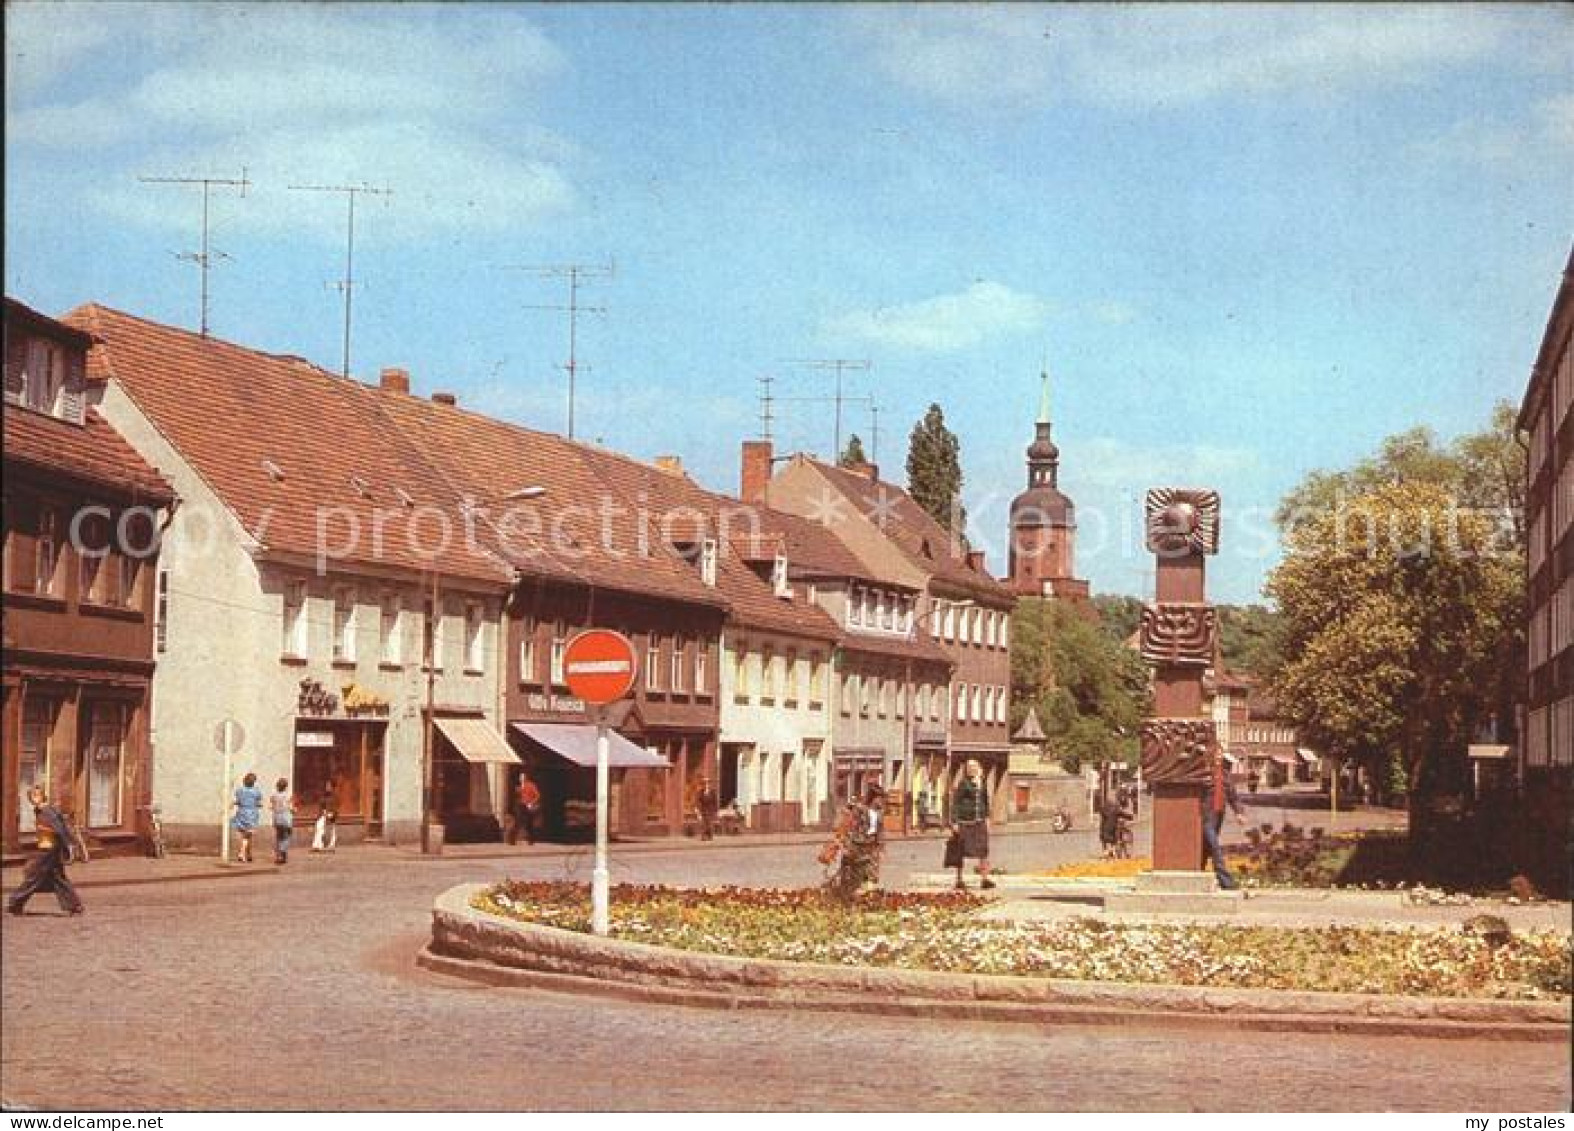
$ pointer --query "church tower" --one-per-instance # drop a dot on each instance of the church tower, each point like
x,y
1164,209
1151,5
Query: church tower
x,y
1044,522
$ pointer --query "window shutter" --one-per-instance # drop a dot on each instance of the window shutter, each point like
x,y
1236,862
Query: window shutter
x,y
15,366
73,401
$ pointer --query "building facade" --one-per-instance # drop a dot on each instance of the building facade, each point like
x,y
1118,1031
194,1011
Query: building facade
x,y
1547,420
82,514
302,587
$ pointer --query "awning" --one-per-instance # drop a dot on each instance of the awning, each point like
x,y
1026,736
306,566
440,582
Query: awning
x,y
577,743
1230,759
1282,759
1308,757
476,741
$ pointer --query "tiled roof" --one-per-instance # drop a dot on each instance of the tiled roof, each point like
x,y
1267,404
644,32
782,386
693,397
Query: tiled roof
x,y
92,452
287,446
926,543
752,601
813,549
582,529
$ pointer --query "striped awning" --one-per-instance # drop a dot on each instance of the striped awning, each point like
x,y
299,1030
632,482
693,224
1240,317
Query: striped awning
x,y
477,741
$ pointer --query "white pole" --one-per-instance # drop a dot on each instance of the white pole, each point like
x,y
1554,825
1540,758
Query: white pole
x,y
224,819
600,896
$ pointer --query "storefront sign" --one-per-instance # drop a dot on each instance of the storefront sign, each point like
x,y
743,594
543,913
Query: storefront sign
x,y
561,703
314,738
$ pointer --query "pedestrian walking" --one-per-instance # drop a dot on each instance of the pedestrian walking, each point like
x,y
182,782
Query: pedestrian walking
x,y
1219,794
970,816
46,871
860,839
325,833
708,804
1125,817
527,807
248,815
282,807
1109,824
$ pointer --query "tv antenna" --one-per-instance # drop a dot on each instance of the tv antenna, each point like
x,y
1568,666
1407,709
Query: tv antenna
x,y
767,405
347,284
576,274
204,258
840,365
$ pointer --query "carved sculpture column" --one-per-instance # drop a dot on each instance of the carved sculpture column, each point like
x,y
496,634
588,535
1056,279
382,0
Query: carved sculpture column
x,y
1179,744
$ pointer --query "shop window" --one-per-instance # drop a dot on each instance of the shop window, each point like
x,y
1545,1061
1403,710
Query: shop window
x,y
344,760
105,757
38,728
344,624
294,643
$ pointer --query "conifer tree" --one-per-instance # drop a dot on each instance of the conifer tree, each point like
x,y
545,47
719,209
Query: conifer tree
x,y
853,454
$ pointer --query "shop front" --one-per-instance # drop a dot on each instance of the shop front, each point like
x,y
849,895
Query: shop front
x,y
561,759
342,760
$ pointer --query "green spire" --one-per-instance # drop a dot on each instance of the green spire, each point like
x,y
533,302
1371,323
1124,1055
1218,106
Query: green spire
x,y
1043,402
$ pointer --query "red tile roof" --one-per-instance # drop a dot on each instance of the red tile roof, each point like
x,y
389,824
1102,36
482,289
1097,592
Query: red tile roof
x,y
582,529
752,601
92,453
926,543
302,457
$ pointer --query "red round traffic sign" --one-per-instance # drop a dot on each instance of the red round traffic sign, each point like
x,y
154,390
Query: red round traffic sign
x,y
599,666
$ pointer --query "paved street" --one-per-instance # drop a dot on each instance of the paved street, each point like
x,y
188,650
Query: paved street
x,y
295,989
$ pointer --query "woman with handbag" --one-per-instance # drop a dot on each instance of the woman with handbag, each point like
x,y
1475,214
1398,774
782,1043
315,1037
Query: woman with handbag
x,y
970,823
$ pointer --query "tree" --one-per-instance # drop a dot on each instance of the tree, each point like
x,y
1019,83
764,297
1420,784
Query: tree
x,y
853,454
934,472
1090,691
1119,616
1398,606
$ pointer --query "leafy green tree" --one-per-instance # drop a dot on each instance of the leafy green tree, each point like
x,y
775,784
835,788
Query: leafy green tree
x,y
934,471
1397,606
1251,639
853,453
1119,616
1090,691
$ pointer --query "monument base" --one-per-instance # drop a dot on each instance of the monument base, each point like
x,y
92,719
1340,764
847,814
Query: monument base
x,y
1174,893
1161,882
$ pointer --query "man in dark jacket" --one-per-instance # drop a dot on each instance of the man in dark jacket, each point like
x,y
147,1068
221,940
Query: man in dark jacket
x,y
47,870
1219,793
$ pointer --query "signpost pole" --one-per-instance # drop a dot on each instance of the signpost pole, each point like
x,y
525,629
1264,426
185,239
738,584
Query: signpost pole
x,y
600,894
224,803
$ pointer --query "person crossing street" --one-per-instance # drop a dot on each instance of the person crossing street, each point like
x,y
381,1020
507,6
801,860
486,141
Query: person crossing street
x,y
47,870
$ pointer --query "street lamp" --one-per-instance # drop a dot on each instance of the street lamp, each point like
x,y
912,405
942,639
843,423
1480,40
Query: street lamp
x,y
433,623
908,754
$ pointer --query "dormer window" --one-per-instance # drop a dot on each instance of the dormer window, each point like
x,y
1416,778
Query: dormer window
x,y
43,376
708,561
779,583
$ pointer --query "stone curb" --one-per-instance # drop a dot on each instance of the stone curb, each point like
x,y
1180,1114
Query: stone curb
x,y
470,944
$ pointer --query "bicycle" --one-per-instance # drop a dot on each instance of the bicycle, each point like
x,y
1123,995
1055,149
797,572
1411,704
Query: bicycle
x,y
155,834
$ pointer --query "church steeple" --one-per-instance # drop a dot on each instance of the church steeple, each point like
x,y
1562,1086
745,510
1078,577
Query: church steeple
x,y
1043,458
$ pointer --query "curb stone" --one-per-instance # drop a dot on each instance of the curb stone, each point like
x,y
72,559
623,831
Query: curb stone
x,y
470,944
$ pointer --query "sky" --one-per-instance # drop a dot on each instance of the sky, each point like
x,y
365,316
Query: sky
x,y
1245,241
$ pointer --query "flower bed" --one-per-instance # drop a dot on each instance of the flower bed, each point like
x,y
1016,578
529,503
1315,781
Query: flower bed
x,y
939,932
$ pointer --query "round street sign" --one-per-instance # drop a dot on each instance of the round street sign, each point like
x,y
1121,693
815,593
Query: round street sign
x,y
228,737
599,665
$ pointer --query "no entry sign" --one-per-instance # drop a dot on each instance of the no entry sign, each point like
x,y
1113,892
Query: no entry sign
x,y
599,665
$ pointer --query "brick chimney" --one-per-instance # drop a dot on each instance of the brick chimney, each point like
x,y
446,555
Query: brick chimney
x,y
756,470
395,380
975,560
444,398
672,465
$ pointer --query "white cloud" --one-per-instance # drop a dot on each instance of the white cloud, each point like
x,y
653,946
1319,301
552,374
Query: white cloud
x,y
1494,143
43,41
1142,56
947,322
316,93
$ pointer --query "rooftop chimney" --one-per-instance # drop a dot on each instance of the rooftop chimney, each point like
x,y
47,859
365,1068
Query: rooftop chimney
x,y
975,560
672,465
395,380
444,398
756,470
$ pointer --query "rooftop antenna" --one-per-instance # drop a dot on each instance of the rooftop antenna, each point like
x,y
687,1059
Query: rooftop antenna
x,y
840,365
874,432
767,406
576,274
845,399
347,284
204,258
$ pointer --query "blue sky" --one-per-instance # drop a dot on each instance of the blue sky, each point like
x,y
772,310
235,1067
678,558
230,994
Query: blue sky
x,y
1249,241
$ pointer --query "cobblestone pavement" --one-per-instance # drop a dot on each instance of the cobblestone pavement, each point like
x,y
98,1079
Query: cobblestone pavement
x,y
295,989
